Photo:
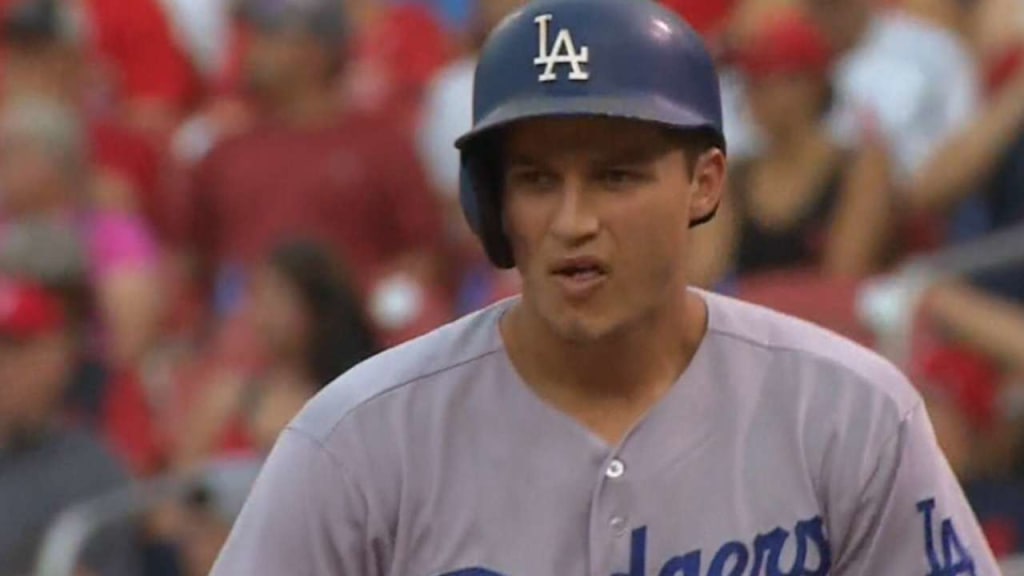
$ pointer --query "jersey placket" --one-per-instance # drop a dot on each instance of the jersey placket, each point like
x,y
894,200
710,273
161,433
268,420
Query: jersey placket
x,y
618,538
611,521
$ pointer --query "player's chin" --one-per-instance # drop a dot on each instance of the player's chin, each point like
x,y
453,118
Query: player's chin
x,y
580,333
576,319
582,325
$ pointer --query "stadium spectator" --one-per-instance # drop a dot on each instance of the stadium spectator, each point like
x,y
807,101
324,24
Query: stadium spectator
x,y
447,114
142,63
310,328
204,30
313,328
136,67
980,168
389,52
185,533
904,71
43,162
50,255
991,324
45,176
45,54
454,14
45,465
708,17
341,176
724,24
962,392
100,395
960,389
210,510
789,206
905,82
397,48
978,171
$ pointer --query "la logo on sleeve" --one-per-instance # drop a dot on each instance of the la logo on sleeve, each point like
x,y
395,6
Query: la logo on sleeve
x,y
955,559
563,52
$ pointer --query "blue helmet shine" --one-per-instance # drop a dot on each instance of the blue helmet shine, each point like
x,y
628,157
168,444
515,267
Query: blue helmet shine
x,y
630,59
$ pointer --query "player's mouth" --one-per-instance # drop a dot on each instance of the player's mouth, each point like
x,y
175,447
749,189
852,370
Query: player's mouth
x,y
580,277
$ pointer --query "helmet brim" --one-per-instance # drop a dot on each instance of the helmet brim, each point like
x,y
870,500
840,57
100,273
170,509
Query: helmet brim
x,y
642,108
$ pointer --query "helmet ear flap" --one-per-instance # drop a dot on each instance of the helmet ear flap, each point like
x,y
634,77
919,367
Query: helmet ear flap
x,y
480,196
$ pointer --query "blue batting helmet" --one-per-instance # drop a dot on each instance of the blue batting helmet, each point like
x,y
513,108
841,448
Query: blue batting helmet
x,y
555,58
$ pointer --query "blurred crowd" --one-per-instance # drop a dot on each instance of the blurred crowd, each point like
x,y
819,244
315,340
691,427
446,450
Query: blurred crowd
x,y
211,208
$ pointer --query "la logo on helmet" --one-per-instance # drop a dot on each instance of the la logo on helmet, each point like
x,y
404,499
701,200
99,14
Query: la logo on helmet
x,y
563,52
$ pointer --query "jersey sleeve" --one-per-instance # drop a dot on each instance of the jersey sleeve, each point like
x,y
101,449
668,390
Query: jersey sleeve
x,y
911,516
304,516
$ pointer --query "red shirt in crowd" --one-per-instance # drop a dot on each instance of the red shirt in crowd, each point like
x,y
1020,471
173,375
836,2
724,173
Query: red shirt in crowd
x,y
134,42
355,184
396,56
122,153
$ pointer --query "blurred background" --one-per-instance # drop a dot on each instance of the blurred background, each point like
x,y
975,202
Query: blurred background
x,y
210,208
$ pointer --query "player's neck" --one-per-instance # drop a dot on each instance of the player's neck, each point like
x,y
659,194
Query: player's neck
x,y
639,363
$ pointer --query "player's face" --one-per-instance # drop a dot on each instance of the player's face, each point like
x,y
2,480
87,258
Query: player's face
x,y
597,212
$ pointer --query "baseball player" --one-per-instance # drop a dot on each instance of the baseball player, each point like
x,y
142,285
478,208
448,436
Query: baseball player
x,y
611,421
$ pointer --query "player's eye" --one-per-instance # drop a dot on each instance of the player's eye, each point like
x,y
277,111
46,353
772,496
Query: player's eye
x,y
618,178
530,179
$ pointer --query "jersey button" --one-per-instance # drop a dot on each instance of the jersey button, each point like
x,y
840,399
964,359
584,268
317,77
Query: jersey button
x,y
618,525
615,469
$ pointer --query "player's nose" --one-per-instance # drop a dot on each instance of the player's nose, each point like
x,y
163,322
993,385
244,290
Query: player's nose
x,y
575,220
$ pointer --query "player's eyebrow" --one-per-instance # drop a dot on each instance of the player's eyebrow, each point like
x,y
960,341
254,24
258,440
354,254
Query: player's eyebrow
x,y
520,159
639,153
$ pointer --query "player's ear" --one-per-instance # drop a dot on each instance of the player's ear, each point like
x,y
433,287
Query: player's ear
x,y
707,184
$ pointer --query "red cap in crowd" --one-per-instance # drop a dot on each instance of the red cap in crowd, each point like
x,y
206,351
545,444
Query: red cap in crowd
x,y
787,42
28,310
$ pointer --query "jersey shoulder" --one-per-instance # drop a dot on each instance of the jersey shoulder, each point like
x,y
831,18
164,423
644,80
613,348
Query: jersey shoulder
x,y
418,361
809,346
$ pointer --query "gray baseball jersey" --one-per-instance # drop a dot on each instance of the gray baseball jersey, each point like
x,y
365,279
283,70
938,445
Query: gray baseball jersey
x,y
782,450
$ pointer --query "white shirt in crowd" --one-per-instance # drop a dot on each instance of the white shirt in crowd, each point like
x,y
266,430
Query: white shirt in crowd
x,y
447,114
912,80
